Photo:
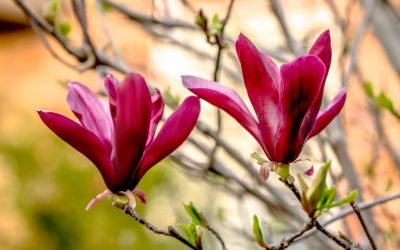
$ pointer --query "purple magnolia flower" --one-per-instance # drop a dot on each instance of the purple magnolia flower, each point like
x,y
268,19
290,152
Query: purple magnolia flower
x,y
119,137
286,100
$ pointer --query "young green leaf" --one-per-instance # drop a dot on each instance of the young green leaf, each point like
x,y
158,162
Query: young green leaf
x,y
327,198
104,7
216,25
350,197
368,89
191,232
318,185
201,20
384,102
50,10
196,216
63,27
303,183
257,232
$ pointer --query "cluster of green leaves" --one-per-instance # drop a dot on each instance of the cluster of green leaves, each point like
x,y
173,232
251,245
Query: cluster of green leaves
x,y
212,29
192,229
381,100
51,11
318,197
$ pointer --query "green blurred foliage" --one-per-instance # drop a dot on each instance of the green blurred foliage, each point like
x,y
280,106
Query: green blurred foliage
x,y
53,183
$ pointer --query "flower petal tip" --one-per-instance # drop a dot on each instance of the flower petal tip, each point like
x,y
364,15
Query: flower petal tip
x,y
310,171
141,195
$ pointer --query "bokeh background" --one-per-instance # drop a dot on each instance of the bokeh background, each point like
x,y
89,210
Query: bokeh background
x,y
45,184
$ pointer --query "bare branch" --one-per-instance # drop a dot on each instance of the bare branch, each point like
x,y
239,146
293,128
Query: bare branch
x,y
347,211
365,22
364,225
280,15
145,20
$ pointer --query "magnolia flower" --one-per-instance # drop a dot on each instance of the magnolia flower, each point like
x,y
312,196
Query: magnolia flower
x,y
119,137
286,100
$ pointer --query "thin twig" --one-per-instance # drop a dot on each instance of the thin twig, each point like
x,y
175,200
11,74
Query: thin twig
x,y
146,20
365,22
291,238
219,41
347,211
47,45
171,232
364,225
88,60
218,236
117,54
42,23
280,15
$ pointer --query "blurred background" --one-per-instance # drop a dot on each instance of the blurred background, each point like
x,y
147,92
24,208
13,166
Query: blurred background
x,y
45,184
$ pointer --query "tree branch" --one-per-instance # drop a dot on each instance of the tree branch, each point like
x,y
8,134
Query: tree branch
x,y
171,232
364,225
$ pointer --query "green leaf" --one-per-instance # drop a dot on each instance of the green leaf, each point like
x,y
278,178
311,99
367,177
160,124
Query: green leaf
x,y
303,183
384,102
201,20
368,89
50,10
257,232
389,184
381,100
63,27
327,198
104,7
350,197
196,216
318,185
191,232
216,25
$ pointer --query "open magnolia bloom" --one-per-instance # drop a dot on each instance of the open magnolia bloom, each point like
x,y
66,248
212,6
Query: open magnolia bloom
x,y
286,100
119,137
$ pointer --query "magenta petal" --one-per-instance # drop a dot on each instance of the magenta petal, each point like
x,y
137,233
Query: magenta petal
x,y
262,80
132,123
111,85
301,83
82,140
322,49
91,113
174,132
324,118
142,196
226,99
157,110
